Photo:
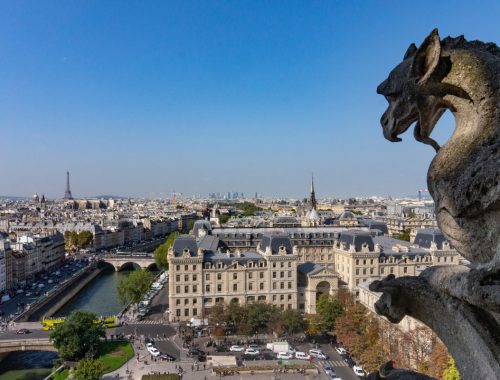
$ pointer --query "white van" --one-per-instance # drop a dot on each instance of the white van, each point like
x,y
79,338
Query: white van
x,y
302,356
318,354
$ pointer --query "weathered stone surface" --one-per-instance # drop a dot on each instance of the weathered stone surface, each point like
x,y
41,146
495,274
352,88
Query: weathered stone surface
x,y
388,372
460,304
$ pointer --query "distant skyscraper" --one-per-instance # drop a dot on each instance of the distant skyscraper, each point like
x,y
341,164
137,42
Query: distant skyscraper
x,y
67,193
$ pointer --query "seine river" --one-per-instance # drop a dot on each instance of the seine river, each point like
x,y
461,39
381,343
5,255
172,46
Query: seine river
x,y
100,297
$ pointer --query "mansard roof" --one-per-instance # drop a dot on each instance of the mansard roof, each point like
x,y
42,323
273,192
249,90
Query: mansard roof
x,y
202,225
425,237
209,243
309,268
274,242
357,239
240,257
398,248
375,225
185,242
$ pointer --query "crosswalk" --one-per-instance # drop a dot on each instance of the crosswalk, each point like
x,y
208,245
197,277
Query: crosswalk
x,y
332,363
147,322
160,339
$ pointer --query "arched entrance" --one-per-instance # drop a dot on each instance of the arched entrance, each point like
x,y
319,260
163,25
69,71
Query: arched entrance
x,y
322,288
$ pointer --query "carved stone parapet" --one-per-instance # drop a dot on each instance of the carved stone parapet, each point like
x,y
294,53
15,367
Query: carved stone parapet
x,y
471,333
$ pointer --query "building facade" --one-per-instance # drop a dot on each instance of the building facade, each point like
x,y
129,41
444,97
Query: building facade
x,y
361,258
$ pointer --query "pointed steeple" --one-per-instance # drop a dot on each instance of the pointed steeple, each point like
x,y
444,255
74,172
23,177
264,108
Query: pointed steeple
x,y
312,197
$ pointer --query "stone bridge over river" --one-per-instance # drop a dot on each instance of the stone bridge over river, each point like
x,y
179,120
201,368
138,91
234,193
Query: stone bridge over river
x,y
30,344
120,262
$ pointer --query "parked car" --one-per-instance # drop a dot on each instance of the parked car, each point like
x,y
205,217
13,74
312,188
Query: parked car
x,y
318,354
302,356
154,351
284,355
341,350
358,370
167,357
330,372
220,348
251,351
195,352
23,331
236,349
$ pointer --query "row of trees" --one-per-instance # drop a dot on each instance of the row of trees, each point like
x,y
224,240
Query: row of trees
x,y
161,252
132,288
374,340
77,240
256,318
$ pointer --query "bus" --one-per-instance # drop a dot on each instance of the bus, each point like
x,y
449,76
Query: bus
x,y
107,322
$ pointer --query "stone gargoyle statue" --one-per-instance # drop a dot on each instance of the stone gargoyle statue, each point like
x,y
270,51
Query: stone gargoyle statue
x,y
460,303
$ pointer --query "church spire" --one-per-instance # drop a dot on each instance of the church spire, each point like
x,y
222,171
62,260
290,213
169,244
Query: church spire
x,y
312,198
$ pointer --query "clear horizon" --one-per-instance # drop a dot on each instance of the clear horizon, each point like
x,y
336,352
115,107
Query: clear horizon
x,y
199,96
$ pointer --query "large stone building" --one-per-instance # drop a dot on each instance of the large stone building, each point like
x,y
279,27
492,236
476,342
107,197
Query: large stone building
x,y
360,257
33,255
200,276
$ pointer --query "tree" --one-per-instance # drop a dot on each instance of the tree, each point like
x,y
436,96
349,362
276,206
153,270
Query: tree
x,y
77,336
248,209
224,218
313,325
84,238
329,309
133,287
70,240
404,235
88,369
161,252
451,373
293,321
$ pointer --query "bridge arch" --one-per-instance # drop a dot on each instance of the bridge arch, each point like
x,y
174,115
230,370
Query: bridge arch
x,y
152,267
129,265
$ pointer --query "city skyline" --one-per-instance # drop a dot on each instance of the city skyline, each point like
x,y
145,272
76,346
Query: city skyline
x,y
199,97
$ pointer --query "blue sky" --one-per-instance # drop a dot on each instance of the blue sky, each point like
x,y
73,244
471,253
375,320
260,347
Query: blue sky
x,y
141,98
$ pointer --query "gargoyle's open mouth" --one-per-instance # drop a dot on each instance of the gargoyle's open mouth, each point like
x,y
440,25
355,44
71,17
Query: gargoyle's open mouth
x,y
392,128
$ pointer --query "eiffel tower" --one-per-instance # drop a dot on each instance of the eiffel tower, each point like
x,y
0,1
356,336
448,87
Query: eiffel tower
x,y
67,193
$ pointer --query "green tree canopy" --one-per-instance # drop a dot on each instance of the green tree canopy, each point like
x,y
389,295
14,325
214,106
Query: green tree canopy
x,y
248,208
293,321
224,218
161,252
133,287
84,239
78,336
404,235
88,369
79,240
329,309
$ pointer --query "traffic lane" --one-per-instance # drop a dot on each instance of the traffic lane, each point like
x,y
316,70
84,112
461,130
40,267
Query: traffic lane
x,y
148,330
167,347
35,334
159,304
345,372
10,307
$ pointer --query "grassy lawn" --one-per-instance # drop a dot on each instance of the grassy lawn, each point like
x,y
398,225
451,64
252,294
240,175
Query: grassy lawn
x,y
114,354
61,375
